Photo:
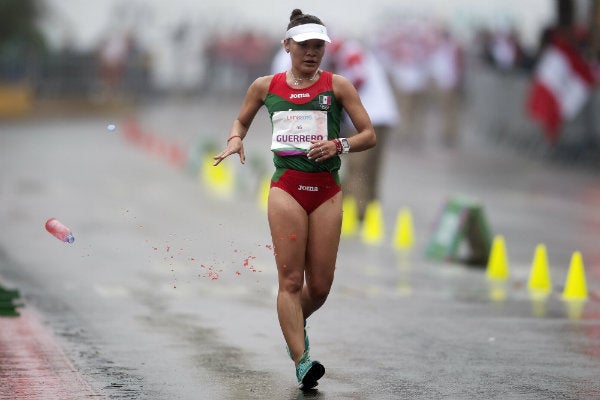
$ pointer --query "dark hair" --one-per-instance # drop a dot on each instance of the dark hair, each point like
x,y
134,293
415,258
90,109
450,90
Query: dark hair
x,y
299,18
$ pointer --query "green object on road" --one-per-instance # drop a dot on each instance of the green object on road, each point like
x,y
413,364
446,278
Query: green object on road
x,y
461,218
8,308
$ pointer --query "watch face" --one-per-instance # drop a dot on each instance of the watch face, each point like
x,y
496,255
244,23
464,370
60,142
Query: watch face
x,y
345,145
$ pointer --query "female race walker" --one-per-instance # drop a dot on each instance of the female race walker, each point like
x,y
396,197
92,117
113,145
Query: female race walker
x,y
305,199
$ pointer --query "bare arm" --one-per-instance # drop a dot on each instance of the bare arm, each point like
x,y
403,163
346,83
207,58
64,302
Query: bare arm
x,y
253,101
346,93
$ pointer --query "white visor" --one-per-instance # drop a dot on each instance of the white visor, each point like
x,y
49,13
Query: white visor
x,y
304,32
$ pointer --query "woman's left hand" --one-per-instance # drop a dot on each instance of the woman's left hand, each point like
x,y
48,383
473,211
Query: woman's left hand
x,y
320,150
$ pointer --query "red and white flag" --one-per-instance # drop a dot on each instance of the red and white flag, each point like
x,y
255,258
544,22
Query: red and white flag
x,y
561,85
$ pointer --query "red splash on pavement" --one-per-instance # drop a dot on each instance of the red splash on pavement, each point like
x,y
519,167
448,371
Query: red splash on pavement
x,y
213,275
209,270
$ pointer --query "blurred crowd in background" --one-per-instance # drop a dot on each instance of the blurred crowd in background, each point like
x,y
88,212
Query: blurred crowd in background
x,y
424,61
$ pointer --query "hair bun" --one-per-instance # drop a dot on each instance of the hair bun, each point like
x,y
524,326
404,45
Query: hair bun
x,y
296,13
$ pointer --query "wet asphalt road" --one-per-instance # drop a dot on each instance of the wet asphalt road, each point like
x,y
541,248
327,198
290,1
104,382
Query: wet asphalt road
x,y
169,289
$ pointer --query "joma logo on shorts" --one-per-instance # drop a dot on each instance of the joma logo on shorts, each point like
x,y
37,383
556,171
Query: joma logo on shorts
x,y
299,95
308,188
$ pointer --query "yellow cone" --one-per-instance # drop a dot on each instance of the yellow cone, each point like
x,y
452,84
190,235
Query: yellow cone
x,y
404,233
539,276
575,286
350,221
497,267
218,179
373,226
263,193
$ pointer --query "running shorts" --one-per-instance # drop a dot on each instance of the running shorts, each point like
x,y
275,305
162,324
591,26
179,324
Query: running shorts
x,y
309,189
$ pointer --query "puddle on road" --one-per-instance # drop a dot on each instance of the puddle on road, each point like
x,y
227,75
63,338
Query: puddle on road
x,y
235,374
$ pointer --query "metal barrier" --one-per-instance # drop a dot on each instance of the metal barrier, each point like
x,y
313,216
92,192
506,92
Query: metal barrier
x,y
74,75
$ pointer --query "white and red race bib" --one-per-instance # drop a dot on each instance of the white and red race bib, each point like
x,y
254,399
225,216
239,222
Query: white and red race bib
x,y
294,130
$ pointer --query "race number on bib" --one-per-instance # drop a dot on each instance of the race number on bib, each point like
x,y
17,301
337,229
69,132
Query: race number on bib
x,y
293,131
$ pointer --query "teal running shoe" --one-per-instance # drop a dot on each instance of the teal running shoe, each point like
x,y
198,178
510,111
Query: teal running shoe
x,y
306,344
308,372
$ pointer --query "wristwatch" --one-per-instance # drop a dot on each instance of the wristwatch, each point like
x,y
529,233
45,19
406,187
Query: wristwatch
x,y
345,145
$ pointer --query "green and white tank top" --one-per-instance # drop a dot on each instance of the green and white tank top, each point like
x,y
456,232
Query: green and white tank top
x,y
299,116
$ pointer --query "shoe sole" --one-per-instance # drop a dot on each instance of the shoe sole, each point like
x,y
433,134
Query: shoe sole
x,y
316,371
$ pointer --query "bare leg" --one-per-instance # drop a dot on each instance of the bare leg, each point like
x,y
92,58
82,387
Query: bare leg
x,y
304,246
324,228
289,231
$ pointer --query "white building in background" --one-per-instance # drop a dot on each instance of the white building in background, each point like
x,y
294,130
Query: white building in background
x,y
158,24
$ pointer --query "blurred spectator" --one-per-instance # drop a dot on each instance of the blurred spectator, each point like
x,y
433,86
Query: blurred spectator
x,y
138,69
405,50
113,54
353,60
180,38
502,48
447,76
233,59
505,49
252,50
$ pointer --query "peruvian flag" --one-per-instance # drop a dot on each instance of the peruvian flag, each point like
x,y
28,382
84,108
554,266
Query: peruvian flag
x,y
561,85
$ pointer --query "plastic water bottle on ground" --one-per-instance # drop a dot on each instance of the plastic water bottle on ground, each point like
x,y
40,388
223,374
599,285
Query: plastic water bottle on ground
x,y
61,232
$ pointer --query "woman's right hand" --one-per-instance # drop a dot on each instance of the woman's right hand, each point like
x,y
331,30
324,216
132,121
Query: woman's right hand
x,y
234,145
252,102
